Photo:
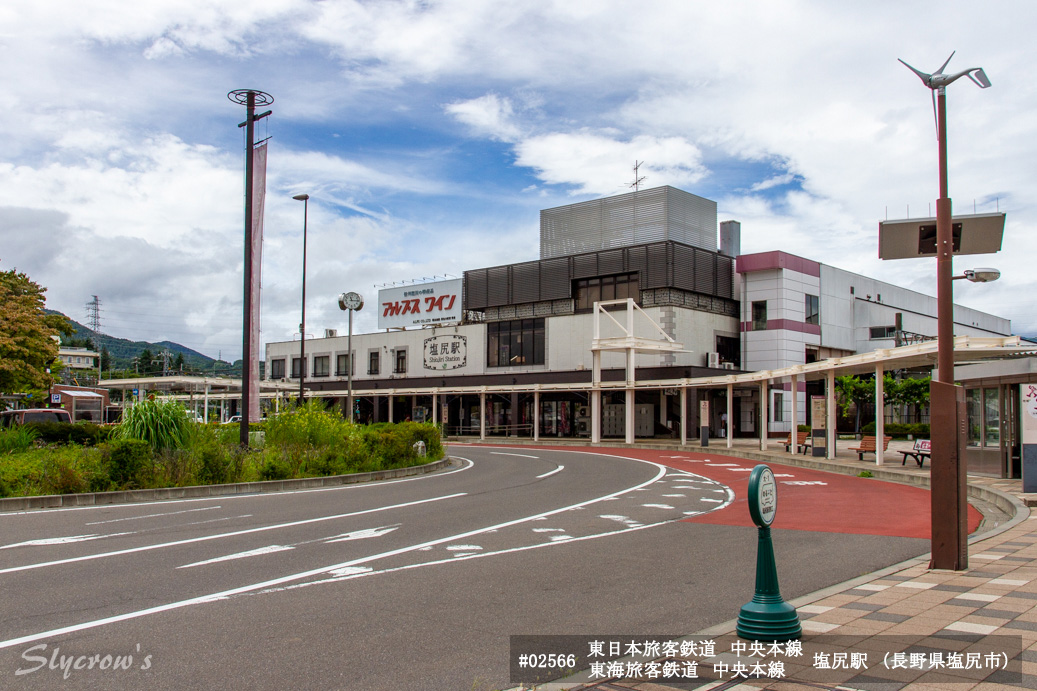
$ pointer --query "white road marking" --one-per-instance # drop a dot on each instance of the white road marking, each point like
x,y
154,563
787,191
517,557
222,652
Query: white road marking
x,y
270,549
675,495
360,534
154,515
227,497
46,541
714,501
657,506
548,474
265,585
206,538
520,455
462,548
548,530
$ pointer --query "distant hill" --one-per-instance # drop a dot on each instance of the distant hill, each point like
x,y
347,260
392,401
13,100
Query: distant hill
x,y
123,351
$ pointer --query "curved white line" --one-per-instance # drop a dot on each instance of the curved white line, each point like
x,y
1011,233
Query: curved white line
x,y
255,495
550,473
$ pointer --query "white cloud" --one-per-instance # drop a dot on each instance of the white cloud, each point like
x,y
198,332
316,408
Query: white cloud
x,y
488,116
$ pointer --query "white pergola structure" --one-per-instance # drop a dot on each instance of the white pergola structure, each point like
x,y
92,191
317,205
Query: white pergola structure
x,y
630,344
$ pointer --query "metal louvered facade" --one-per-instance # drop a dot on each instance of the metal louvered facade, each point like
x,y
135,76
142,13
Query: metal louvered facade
x,y
658,265
652,215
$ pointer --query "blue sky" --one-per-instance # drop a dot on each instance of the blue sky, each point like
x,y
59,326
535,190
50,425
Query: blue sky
x,y
429,135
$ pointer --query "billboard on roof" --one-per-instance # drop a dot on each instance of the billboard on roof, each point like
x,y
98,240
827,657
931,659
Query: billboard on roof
x,y
421,304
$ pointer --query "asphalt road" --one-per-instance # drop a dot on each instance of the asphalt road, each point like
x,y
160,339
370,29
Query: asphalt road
x,y
407,584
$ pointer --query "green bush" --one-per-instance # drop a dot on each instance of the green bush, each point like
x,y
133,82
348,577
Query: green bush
x,y
82,433
129,461
17,439
899,430
162,424
275,469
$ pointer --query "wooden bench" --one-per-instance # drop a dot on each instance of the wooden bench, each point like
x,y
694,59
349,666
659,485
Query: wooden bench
x,y
801,441
920,451
868,446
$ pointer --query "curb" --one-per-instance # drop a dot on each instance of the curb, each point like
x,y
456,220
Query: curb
x,y
57,501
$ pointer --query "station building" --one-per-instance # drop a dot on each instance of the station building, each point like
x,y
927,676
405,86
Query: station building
x,y
633,298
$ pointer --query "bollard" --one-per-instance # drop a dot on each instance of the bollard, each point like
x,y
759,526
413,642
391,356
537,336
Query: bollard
x,y
767,617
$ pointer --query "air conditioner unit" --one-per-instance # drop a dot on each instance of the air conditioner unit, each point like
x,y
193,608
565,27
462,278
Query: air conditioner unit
x,y
330,333
729,365
712,359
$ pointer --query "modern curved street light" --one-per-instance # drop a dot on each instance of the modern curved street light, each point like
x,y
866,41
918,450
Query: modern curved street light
x,y
949,527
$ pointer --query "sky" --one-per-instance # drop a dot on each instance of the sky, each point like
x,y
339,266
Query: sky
x,y
430,134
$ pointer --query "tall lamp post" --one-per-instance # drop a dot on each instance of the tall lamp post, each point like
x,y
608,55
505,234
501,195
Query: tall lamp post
x,y
947,402
305,199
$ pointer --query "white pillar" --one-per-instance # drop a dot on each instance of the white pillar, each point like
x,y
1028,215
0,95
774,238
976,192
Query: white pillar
x,y
206,416
880,417
435,408
764,393
536,416
595,416
628,410
629,402
730,414
830,423
684,415
389,399
482,416
795,410
662,406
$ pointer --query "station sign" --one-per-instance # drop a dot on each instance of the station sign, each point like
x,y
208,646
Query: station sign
x,y
421,304
446,352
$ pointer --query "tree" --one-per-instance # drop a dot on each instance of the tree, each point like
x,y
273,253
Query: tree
x,y
27,344
855,391
144,363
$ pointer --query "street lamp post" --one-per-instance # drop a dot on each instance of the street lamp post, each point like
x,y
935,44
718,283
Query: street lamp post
x,y
351,302
305,199
947,401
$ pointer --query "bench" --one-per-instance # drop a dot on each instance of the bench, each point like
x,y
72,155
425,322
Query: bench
x,y
801,441
920,451
868,446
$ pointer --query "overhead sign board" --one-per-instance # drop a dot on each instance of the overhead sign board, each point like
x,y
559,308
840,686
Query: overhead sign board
x,y
421,304
446,352
916,237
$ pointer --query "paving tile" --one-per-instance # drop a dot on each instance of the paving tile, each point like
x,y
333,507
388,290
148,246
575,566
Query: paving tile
x,y
887,616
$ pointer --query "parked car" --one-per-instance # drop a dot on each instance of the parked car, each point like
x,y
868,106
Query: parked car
x,y
233,419
10,418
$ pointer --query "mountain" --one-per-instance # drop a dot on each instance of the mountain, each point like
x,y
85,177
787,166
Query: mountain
x,y
123,351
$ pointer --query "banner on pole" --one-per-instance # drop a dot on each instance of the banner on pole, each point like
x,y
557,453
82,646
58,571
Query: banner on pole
x,y
258,199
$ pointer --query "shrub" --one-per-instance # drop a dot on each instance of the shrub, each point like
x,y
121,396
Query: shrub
x,y
275,469
17,439
82,433
162,424
129,460
899,430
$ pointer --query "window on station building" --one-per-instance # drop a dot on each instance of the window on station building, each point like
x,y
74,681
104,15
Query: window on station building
x,y
778,406
991,418
760,315
344,365
515,343
813,310
878,333
600,288
400,366
277,369
372,362
296,367
322,366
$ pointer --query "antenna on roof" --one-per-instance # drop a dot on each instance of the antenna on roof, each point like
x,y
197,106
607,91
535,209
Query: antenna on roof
x,y
637,180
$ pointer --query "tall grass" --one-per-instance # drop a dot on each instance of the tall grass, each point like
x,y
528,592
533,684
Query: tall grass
x,y
17,439
162,424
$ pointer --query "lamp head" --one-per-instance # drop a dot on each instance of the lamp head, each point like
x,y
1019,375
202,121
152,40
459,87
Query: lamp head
x,y
301,197
985,275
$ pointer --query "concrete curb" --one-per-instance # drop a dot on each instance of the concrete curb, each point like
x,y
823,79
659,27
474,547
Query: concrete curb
x,y
56,501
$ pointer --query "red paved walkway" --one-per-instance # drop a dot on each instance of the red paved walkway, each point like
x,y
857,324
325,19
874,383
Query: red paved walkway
x,y
808,499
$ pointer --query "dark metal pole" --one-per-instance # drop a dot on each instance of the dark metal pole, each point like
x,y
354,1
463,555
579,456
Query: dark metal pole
x,y
249,98
246,335
948,512
302,325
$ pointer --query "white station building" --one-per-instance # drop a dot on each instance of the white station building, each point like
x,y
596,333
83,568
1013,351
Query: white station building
x,y
634,315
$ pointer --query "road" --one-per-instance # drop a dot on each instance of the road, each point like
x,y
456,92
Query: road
x,y
414,583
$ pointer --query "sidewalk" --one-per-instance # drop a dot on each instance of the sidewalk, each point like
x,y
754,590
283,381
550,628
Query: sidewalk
x,y
932,609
